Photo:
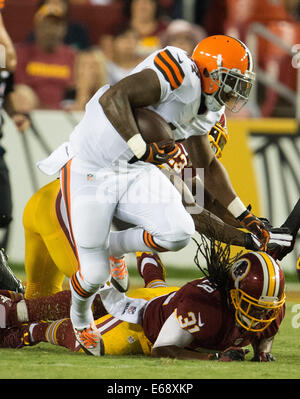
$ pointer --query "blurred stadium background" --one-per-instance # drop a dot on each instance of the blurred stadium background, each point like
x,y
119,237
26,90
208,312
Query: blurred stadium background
x,y
263,152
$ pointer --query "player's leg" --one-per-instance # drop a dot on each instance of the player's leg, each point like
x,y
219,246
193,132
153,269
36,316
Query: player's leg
x,y
42,275
48,254
15,309
90,210
151,269
120,338
152,203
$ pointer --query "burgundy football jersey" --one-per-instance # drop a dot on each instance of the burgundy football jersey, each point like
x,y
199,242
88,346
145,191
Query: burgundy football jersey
x,y
201,311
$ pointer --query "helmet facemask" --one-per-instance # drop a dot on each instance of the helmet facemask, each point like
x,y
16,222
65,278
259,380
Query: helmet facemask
x,y
234,88
252,314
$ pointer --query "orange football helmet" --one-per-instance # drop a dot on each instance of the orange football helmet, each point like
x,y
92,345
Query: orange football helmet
x,y
226,68
258,290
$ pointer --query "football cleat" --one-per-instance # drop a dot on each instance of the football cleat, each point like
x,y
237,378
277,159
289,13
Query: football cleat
x,y
15,337
5,309
119,274
8,280
298,268
90,340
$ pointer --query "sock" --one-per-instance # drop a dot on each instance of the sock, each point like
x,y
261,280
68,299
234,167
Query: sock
x,y
126,241
59,332
52,307
81,310
152,271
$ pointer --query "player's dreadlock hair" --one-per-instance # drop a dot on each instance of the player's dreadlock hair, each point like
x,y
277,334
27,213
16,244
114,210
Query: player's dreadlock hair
x,y
218,263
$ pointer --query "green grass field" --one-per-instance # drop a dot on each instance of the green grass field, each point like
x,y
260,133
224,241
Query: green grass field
x,y
46,361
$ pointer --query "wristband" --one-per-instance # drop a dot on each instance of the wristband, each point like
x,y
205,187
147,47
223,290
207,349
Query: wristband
x,y
236,207
137,145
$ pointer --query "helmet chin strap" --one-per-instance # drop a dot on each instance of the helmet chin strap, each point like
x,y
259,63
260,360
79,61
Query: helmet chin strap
x,y
211,103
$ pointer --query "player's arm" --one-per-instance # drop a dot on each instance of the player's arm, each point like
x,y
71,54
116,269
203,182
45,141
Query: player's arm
x,y
292,223
217,181
218,184
207,222
175,352
172,341
137,90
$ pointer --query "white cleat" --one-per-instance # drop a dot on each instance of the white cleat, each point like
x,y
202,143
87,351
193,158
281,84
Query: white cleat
x,y
90,340
119,274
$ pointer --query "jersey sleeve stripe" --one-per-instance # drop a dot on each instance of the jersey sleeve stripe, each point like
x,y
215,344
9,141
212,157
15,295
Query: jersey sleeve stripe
x,y
170,65
166,73
178,69
170,68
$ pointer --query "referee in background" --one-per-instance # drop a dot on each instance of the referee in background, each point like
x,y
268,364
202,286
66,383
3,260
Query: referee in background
x,y
8,62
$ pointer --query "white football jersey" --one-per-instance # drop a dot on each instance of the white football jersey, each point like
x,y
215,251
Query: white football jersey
x,y
180,92
95,140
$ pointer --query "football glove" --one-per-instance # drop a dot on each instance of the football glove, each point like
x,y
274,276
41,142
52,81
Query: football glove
x,y
159,153
263,357
230,354
255,226
281,243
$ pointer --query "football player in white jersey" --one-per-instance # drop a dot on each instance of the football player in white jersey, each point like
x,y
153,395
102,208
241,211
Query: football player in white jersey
x,y
99,178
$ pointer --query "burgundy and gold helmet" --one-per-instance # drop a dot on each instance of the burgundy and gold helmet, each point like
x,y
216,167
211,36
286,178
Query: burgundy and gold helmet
x,y
218,137
258,290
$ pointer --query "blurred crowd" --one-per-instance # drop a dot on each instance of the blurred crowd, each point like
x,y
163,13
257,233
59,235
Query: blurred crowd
x,y
59,67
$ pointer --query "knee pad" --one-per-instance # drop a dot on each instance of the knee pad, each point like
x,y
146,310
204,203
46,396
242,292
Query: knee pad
x,y
94,267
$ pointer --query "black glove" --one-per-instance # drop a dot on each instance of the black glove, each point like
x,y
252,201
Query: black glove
x,y
266,223
251,242
263,357
230,354
158,153
281,243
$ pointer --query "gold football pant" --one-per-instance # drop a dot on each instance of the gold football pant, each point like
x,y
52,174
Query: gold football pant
x,y
49,257
123,338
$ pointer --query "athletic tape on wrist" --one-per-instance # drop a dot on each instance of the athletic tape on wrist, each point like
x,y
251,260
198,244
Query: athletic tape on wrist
x,y
137,145
236,207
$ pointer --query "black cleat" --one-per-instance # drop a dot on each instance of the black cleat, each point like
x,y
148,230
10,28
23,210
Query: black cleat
x,y
8,281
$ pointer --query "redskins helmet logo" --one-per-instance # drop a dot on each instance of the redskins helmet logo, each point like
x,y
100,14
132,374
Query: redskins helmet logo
x,y
239,270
